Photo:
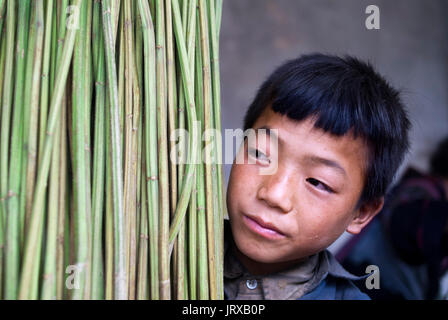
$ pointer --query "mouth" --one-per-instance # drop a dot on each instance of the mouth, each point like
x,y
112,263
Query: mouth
x,y
262,228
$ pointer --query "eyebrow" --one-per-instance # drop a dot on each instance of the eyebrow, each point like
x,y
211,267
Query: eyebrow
x,y
326,162
316,160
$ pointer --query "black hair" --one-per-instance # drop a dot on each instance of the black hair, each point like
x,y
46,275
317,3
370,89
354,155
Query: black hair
x,y
439,160
342,94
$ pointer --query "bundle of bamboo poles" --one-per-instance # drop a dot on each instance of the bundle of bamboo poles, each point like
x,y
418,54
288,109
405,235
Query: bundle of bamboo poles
x,y
92,205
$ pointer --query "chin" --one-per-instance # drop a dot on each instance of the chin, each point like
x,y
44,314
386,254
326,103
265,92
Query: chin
x,y
255,251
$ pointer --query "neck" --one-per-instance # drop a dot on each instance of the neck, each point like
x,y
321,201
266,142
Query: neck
x,y
260,268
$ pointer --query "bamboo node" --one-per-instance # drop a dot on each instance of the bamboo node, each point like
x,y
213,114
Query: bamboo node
x,y
60,239
11,194
47,276
164,282
159,46
181,109
98,83
152,178
144,237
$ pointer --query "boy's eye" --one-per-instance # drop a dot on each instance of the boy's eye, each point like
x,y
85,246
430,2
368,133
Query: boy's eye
x,y
319,185
259,155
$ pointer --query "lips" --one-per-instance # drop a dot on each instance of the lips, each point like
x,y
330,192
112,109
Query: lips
x,y
265,229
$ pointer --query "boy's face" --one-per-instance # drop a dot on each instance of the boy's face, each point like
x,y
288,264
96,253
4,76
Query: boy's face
x,y
307,202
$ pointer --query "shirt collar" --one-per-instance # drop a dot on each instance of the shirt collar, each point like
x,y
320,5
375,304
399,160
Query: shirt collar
x,y
335,269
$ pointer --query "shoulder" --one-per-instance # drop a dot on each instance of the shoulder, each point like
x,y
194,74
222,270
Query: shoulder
x,y
337,283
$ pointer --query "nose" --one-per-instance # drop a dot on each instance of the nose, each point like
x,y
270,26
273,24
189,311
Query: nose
x,y
277,190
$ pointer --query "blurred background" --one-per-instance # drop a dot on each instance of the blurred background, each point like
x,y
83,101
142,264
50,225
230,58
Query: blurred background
x,y
410,49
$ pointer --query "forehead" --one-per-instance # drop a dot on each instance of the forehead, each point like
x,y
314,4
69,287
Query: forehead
x,y
299,139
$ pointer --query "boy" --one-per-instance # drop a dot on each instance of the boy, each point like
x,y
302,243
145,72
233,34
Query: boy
x,y
342,133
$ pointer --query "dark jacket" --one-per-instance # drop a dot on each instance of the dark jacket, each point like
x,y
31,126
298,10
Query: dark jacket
x,y
336,284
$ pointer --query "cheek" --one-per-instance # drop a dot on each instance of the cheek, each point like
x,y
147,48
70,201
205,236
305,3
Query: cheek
x,y
322,223
242,186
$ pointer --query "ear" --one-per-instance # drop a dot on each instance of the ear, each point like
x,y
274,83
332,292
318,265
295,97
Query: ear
x,y
365,213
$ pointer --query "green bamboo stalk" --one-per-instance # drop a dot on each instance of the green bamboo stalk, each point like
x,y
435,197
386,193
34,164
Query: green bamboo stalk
x,y
2,218
151,143
6,113
201,218
109,238
177,263
34,106
62,237
80,158
2,11
130,182
30,254
25,197
218,17
192,242
110,243
138,66
217,168
208,125
69,230
62,207
171,92
33,128
48,291
152,9
115,13
161,94
179,123
181,110
54,44
2,68
89,78
188,26
192,238
49,52
120,288
99,160
142,283
12,248
136,146
121,87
